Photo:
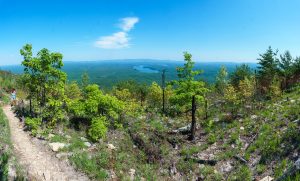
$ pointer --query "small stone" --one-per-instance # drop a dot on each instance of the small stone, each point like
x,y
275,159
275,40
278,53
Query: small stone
x,y
253,117
56,146
47,176
202,177
216,119
248,106
267,178
87,144
83,139
172,169
111,146
50,136
242,128
113,175
132,173
295,154
201,165
12,174
63,155
227,167
292,101
297,164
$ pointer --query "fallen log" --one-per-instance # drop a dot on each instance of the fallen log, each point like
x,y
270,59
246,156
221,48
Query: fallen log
x,y
241,159
182,130
202,161
152,152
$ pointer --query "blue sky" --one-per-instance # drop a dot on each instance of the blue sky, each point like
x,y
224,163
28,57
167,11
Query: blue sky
x,y
212,30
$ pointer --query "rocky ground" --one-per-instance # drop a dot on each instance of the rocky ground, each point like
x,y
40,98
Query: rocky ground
x,y
36,158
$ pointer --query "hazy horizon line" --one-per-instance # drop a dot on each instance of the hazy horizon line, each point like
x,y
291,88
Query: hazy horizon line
x,y
149,59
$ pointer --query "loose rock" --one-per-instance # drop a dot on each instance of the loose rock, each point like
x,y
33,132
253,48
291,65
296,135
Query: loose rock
x,y
267,178
56,146
132,173
111,146
87,144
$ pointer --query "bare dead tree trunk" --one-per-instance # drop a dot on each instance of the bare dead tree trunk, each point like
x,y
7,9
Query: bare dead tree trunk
x,y
206,109
193,126
163,89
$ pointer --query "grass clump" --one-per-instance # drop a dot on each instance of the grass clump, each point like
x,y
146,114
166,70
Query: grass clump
x,y
241,173
91,165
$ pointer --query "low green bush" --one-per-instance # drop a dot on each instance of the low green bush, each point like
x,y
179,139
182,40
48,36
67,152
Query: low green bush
x,y
33,124
98,128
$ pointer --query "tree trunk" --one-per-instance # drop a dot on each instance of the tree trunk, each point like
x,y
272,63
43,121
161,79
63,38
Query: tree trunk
x,y
30,106
163,106
193,126
141,98
206,109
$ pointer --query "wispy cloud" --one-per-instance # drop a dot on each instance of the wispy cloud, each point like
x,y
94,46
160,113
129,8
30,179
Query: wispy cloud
x,y
120,39
128,23
114,41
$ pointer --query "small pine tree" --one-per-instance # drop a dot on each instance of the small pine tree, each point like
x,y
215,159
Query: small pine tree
x,y
268,68
189,91
221,80
85,80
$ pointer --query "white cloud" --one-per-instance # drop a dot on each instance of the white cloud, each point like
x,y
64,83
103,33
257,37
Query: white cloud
x,y
128,23
120,39
115,41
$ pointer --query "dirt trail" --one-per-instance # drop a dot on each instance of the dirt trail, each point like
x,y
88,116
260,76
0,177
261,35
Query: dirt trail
x,y
39,162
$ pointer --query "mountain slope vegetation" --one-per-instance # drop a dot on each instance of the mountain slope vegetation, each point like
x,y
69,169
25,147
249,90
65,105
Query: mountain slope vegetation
x,y
244,127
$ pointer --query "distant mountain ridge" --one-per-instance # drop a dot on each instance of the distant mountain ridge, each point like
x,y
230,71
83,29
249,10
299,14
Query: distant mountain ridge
x,y
107,73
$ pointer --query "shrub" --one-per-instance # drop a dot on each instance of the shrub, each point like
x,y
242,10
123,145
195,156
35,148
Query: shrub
x,y
209,173
33,124
212,138
157,125
98,128
261,168
242,173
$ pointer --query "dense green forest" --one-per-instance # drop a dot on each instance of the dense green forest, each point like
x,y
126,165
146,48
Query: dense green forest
x,y
107,73
244,126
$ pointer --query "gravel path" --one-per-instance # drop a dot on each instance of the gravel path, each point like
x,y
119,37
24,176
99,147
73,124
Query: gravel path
x,y
39,162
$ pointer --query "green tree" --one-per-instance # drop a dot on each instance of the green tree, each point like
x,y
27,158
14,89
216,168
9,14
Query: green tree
x,y
268,68
155,95
286,67
232,98
85,80
45,80
97,104
240,73
188,90
247,89
73,91
274,90
296,69
221,80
